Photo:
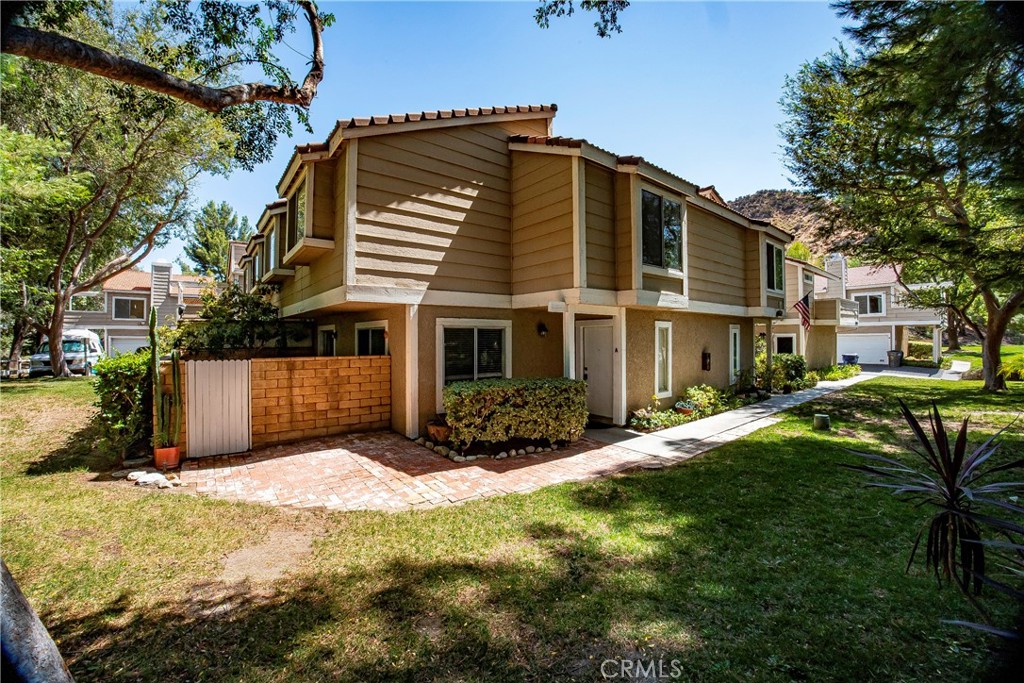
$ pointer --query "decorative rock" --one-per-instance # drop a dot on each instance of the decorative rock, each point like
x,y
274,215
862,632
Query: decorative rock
x,y
459,458
502,455
443,450
429,444
530,449
421,441
554,447
521,452
546,450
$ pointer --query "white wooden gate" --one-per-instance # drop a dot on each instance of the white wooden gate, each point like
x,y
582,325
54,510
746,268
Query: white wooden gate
x,y
217,419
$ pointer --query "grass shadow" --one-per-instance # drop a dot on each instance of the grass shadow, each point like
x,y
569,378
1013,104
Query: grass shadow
x,y
83,449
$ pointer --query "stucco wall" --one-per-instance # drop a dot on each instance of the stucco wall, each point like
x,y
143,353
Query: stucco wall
x,y
532,355
691,335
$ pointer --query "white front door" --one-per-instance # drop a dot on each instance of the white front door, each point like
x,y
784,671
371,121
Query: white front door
x,y
595,356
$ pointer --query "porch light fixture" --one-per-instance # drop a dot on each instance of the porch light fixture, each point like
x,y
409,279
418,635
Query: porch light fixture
x,y
780,314
542,329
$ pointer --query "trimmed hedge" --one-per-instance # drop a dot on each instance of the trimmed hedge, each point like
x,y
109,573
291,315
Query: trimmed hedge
x,y
921,350
498,410
124,387
787,369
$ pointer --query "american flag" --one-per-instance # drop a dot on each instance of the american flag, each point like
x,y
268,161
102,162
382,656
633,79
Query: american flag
x,y
803,307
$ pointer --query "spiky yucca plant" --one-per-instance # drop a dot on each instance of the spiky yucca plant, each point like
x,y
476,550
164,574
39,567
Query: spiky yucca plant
x,y
951,482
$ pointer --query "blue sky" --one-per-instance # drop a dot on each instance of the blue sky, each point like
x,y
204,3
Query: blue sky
x,y
692,86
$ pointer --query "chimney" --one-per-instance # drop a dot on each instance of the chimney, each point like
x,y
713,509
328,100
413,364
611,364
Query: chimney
x,y
237,251
835,264
161,283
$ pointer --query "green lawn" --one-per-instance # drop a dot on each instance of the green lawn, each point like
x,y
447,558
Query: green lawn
x,y
972,354
761,561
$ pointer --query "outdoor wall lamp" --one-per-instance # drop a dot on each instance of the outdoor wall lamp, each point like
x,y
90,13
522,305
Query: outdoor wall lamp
x,y
542,329
780,314
705,361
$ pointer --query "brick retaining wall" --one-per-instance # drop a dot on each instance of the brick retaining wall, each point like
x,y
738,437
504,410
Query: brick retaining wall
x,y
301,398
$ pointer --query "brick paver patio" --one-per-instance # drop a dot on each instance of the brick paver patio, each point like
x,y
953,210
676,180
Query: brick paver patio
x,y
385,471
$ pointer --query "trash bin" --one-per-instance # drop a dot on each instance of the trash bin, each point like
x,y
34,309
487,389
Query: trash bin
x,y
895,358
850,358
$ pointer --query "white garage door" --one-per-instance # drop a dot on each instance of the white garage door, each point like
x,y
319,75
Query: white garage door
x,y
871,348
119,345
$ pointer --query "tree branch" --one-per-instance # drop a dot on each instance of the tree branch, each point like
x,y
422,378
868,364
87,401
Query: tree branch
x,y
58,49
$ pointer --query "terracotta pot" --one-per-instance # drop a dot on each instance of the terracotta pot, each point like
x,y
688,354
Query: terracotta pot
x,y
166,458
439,433
684,411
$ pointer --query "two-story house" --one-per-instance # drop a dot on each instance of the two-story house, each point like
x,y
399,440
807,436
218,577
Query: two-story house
x,y
885,316
118,311
469,244
828,313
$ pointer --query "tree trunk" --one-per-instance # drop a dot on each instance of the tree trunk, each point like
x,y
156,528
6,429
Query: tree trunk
x,y
19,331
29,653
55,335
991,358
953,330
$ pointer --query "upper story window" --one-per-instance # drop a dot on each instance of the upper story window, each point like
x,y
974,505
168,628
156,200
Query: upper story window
x,y
272,249
662,231
775,270
257,265
129,309
297,214
870,304
808,282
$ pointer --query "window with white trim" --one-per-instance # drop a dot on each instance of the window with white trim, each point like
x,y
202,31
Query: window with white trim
x,y
775,268
662,359
372,338
129,309
257,265
785,343
808,282
471,348
662,223
870,304
297,214
734,353
271,247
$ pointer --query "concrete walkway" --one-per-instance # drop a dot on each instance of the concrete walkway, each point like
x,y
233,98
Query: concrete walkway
x,y
685,441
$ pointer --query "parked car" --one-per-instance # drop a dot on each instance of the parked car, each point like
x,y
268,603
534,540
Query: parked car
x,y
82,349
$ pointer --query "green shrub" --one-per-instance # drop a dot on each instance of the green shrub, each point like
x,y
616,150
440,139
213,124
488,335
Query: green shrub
x,y
124,387
811,379
706,400
919,350
787,369
1013,368
498,410
833,373
647,420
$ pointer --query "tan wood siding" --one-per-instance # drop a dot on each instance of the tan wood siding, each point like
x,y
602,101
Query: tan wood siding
x,y
327,272
624,227
433,209
542,202
716,259
752,267
600,222
661,283
323,200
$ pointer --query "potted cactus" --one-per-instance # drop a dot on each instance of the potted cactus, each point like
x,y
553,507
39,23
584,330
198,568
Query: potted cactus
x,y
166,454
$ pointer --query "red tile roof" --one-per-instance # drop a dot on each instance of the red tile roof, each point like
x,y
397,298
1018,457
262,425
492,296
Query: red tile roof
x,y
711,193
415,117
869,276
141,281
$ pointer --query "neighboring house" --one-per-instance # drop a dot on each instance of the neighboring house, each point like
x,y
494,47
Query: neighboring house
x,y
119,311
828,314
472,243
884,316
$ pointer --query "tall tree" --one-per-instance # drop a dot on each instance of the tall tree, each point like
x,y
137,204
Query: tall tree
x,y
208,238
31,190
199,47
908,182
141,151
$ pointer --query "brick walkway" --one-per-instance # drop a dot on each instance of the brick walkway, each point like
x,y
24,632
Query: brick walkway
x,y
385,471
